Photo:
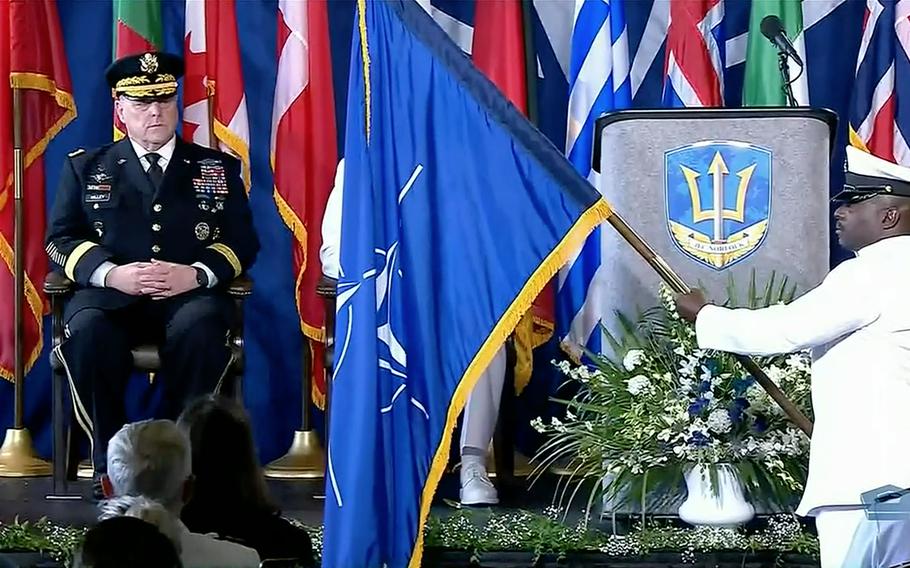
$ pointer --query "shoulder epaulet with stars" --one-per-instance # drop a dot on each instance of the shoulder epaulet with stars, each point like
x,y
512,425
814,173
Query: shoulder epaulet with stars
x,y
76,152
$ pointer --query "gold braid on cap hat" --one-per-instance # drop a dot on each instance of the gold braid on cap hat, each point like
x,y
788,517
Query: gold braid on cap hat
x,y
139,86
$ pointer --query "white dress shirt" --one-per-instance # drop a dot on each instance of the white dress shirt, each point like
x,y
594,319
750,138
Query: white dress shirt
x,y
857,323
205,551
165,153
331,226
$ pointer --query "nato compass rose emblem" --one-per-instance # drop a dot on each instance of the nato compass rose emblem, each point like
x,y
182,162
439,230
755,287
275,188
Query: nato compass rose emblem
x,y
718,198
386,278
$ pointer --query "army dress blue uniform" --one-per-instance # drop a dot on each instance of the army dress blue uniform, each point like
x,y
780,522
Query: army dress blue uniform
x,y
108,210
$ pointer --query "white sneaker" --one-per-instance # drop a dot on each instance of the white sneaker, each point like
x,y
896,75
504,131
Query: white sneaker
x,y
476,487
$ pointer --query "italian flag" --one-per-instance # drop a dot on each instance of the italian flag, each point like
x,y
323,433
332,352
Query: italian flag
x,y
763,84
137,28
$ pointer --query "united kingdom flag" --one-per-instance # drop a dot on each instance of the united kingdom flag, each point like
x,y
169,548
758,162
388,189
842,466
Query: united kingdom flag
x,y
694,64
880,107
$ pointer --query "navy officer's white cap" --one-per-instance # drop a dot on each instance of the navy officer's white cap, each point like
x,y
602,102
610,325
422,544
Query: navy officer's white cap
x,y
868,176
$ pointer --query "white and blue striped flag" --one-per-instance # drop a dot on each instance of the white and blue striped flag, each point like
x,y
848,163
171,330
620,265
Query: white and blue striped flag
x,y
598,83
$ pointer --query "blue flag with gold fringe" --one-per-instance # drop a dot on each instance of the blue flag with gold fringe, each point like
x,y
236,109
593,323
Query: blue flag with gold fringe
x,y
457,212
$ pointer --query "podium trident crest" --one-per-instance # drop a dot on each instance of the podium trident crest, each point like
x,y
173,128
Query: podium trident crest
x,y
718,200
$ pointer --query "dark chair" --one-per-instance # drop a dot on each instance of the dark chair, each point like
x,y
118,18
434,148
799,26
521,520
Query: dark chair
x,y
145,359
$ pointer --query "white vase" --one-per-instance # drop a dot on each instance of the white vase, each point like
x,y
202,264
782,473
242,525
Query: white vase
x,y
721,506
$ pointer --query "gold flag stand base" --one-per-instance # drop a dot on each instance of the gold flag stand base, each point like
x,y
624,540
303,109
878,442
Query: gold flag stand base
x,y
17,457
85,470
304,460
561,468
522,466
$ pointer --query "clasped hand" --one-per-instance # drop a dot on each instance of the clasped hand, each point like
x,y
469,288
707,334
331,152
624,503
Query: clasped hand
x,y
157,279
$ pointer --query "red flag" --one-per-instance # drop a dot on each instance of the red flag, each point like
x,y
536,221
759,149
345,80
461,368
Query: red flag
x,y
499,51
212,56
33,59
304,155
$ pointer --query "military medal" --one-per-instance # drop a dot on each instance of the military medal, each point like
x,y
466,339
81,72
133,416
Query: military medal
x,y
202,231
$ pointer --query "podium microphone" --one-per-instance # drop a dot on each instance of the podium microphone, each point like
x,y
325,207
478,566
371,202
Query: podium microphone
x,y
773,29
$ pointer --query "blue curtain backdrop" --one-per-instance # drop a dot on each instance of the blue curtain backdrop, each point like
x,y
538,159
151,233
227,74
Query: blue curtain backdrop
x,y
273,340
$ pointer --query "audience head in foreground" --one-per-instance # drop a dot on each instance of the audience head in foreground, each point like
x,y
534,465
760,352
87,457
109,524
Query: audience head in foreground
x,y
149,476
126,541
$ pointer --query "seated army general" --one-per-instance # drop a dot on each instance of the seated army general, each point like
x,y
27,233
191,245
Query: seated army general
x,y
151,229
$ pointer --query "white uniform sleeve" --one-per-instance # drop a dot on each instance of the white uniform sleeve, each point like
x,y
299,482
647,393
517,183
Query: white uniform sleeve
x,y
331,226
841,304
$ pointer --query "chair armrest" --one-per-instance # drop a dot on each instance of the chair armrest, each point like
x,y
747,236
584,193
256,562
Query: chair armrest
x,y
56,284
240,287
325,288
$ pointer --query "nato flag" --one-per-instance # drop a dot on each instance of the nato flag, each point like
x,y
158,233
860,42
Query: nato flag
x,y
457,212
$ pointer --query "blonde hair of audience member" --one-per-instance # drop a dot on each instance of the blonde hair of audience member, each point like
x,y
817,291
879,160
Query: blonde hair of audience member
x,y
151,459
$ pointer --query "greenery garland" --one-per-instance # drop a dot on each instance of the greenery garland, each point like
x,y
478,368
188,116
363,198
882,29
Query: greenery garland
x,y
478,531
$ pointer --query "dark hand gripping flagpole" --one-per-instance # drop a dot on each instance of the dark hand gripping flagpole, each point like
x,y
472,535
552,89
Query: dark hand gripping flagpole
x,y
680,287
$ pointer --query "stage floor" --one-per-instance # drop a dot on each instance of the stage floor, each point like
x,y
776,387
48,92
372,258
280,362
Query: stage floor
x,y
302,500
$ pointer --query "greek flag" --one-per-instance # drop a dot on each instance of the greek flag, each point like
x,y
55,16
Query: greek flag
x,y
598,83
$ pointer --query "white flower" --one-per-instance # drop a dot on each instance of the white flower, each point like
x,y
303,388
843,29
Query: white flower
x,y
633,358
798,361
719,421
638,384
688,368
775,373
706,374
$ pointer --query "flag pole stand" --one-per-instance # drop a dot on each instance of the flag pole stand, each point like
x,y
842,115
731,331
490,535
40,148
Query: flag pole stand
x,y
305,458
17,456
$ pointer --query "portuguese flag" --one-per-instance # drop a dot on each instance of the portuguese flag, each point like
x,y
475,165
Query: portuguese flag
x,y
137,28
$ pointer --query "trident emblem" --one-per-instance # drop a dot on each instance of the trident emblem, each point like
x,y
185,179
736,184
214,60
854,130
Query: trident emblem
x,y
718,211
718,200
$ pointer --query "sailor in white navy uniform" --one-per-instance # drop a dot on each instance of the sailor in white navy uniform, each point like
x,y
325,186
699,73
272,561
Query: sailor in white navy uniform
x,y
857,324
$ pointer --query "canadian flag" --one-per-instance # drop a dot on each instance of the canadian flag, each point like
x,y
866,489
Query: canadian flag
x,y
304,155
213,97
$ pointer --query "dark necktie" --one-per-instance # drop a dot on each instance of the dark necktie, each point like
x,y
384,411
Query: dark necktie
x,y
155,172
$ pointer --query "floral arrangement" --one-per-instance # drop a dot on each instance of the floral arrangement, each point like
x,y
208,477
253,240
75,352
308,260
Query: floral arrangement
x,y
662,404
